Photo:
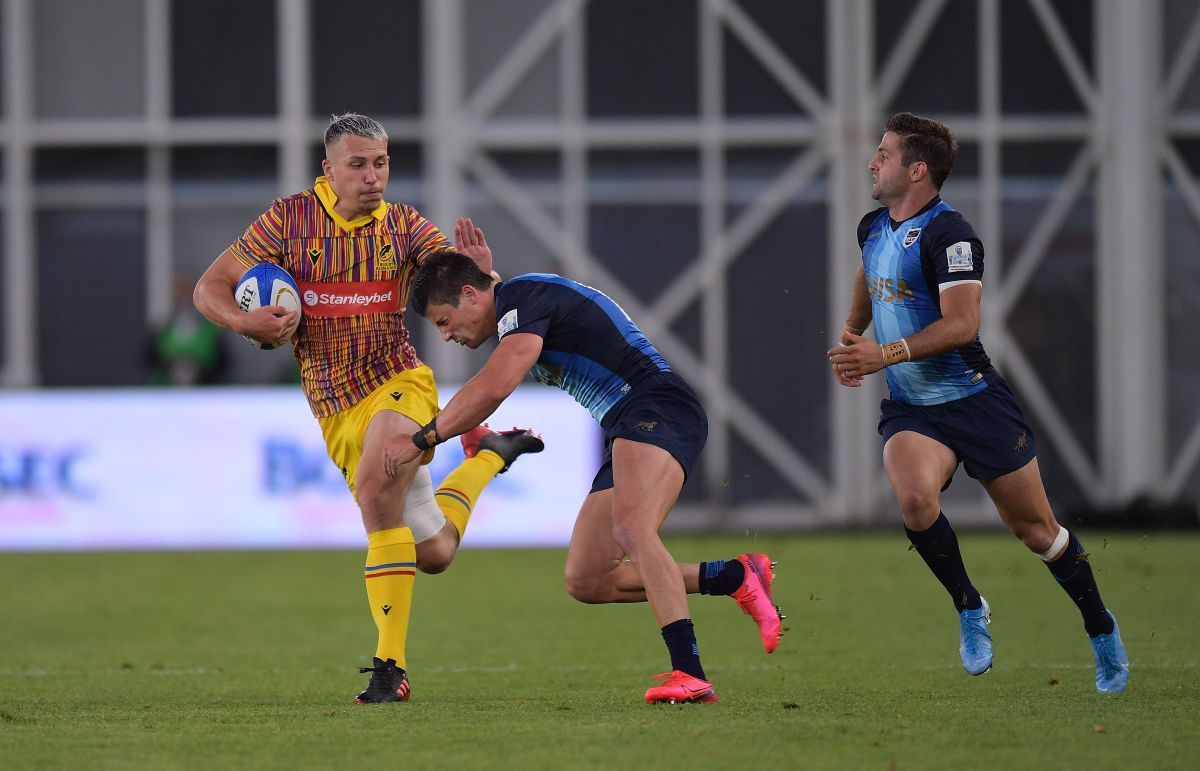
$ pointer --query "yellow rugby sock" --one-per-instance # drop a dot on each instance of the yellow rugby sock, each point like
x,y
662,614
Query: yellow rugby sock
x,y
459,491
389,573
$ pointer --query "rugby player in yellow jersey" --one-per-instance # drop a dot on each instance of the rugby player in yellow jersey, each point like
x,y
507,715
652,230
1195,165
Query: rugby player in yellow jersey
x,y
353,256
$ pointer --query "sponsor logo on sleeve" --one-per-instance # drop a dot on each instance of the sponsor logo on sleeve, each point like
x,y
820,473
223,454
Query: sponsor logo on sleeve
x,y
958,257
507,323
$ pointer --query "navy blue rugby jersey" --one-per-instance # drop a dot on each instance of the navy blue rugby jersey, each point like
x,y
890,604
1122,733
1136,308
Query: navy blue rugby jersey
x,y
907,265
590,347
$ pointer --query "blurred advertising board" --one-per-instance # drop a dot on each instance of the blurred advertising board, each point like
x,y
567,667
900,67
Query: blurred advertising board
x,y
245,468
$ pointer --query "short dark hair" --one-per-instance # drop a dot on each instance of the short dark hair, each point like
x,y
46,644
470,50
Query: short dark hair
x,y
353,123
440,278
926,140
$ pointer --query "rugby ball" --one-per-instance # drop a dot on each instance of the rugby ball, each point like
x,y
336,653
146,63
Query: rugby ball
x,y
266,284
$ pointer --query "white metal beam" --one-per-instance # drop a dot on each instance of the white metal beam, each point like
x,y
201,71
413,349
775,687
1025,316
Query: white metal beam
x,y
572,53
1184,65
1033,251
990,176
854,128
905,50
768,54
20,271
294,83
714,324
1039,402
1061,44
716,254
1130,272
557,17
160,268
442,88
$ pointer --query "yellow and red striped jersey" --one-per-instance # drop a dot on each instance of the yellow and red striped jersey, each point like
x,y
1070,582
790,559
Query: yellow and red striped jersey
x,y
354,279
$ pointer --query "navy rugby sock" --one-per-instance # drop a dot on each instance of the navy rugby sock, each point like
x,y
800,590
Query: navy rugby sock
x,y
680,637
938,546
721,577
1074,574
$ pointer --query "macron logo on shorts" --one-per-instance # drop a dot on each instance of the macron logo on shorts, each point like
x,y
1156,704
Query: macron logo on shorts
x,y
507,324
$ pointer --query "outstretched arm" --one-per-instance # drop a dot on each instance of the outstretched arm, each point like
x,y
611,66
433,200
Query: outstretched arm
x,y
475,401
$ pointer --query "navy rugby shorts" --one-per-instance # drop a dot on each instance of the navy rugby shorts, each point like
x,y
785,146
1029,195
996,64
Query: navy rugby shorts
x,y
662,410
986,431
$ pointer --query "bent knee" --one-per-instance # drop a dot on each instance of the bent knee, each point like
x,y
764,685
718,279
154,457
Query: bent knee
x,y
632,536
434,557
1037,536
431,568
372,498
585,588
920,507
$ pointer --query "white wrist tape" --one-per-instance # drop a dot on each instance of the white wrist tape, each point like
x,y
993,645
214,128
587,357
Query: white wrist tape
x,y
1060,543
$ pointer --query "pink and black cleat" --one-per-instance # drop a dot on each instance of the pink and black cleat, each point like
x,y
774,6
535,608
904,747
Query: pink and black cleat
x,y
754,598
508,445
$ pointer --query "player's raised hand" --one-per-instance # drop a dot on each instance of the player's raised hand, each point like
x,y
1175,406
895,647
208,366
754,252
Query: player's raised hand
x,y
470,241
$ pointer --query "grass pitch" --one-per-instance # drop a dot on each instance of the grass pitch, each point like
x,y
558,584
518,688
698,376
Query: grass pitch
x,y
247,660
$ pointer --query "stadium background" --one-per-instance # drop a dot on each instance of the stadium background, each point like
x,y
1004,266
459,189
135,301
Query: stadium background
x,y
702,161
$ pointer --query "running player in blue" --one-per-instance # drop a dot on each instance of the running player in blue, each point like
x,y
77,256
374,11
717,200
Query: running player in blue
x,y
574,337
920,282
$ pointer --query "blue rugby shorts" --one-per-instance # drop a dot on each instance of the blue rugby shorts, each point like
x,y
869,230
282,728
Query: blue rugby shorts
x,y
986,431
661,410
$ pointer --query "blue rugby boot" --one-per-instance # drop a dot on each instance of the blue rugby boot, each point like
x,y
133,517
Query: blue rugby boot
x,y
975,644
1112,663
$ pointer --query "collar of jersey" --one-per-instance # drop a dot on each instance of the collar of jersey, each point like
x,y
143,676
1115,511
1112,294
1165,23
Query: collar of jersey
x,y
329,200
897,223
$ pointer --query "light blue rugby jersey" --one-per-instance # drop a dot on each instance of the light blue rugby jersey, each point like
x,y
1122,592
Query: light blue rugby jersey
x,y
590,348
907,265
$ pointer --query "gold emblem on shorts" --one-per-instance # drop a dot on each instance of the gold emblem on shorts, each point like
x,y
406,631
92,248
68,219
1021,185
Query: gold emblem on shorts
x,y
1022,442
646,425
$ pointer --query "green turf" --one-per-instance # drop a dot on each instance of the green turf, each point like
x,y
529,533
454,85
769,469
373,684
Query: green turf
x,y
247,660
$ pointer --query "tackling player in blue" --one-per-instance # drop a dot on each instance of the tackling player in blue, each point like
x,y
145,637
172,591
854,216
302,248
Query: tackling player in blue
x,y
920,283
575,337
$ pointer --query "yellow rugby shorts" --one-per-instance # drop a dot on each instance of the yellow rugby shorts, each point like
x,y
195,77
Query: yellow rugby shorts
x,y
412,393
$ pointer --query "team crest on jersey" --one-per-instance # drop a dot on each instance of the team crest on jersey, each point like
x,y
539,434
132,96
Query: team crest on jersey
x,y
911,237
385,258
507,323
314,254
958,257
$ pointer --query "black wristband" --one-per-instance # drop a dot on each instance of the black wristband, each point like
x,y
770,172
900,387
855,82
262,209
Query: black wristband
x,y
428,436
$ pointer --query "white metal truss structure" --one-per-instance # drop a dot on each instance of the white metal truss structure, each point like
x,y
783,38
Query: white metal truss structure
x,y
1125,131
